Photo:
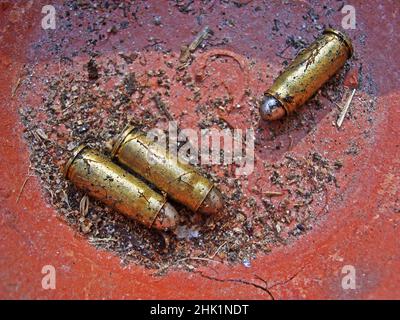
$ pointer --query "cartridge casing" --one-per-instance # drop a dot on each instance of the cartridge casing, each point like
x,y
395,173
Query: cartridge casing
x,y
311,68
112,185
181,181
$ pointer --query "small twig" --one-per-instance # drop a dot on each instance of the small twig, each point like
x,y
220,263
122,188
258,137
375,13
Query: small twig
x,y
273,193
23,187
66,199
197,258
84,205
162,106
216,251
199,39
41,134
209,259
186,51
290,143
68,107
14,90
101,240
345,109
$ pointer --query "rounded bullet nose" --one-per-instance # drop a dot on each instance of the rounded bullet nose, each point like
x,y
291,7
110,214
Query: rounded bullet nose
x,y
271,108
212,203
167,218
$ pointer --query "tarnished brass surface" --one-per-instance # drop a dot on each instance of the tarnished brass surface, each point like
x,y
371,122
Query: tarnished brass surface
x,y
181,181
109,183
311,68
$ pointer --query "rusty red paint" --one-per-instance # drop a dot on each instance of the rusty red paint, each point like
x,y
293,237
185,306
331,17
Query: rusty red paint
x,y
362,230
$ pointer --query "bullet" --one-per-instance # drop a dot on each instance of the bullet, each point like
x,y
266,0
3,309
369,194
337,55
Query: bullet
x,y
181,181
311,68
105,181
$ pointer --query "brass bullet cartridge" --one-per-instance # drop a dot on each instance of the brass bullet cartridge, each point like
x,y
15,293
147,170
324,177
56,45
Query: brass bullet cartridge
x,y
181,181
311,68
112,185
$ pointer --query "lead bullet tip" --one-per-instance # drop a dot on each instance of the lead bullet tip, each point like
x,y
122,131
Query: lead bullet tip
x,y
271,109
212,203
167,218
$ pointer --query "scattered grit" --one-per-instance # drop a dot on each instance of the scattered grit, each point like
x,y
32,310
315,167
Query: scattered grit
x,y
72,115
91,102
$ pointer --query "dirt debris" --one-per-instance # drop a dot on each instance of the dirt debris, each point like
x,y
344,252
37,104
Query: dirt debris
x,y
95,94
275,216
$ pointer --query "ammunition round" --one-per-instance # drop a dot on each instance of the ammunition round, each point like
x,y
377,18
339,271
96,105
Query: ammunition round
x,y
271,108
104,180
181,181
304,76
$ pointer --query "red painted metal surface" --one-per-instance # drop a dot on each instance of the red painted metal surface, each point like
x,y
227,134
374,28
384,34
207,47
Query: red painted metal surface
x,y
362,230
